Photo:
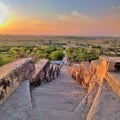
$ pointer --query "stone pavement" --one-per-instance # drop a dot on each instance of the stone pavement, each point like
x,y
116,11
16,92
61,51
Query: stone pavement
x,y
58,99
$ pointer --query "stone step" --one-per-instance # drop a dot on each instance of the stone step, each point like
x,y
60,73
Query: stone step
x,y
66,88
56,101
50,115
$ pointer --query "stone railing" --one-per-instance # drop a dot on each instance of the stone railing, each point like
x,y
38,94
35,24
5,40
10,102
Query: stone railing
x,y
13,74
44,72
87,74
97,77
113,73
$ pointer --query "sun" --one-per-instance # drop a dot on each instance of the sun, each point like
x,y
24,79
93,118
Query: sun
x,y
3,14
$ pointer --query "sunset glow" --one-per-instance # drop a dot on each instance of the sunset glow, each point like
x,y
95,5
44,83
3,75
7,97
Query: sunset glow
x,y
3,14
59,18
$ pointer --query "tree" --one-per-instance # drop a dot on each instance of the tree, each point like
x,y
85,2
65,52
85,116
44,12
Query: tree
x,y
57,55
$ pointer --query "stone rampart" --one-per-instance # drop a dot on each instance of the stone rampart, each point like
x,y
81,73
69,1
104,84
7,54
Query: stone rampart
x,y
87,74
44,72
13,74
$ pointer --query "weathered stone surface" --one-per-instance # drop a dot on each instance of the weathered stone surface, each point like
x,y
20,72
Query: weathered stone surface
x,y
83,108
93,67
111,61
13,74
18,105
101,69
97,72
87,74
106,105
44,72
40,72
113,79
80,72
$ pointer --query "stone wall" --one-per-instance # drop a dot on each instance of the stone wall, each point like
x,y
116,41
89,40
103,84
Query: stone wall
x,y
44,72
113,63
87,74
13,74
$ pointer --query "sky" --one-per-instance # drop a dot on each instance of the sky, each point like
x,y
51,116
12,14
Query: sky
x,y
60,17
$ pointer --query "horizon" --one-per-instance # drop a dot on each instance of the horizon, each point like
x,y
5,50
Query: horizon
x,y
57,18
60,35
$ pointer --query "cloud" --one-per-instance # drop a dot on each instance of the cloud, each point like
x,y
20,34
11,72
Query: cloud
x,y
79,14
63,17
72,16
76,13
116,9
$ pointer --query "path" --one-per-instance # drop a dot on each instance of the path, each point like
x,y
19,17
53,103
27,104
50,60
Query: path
x,y
58,99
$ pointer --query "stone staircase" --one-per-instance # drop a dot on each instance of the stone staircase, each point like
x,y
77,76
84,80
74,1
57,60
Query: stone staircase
x,y
58,99
64,99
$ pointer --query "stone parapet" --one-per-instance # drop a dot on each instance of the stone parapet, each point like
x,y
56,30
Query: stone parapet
x,y
40,71
111,61
13,74
113,79
88,74
44,72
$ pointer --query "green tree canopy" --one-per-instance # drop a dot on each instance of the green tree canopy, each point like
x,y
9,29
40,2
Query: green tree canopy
x,y
57,55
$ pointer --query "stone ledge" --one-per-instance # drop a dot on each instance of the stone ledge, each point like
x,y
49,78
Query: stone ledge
x,y
18,106
113,79
106,105
13,74
82,110
10,67
44,72
39,67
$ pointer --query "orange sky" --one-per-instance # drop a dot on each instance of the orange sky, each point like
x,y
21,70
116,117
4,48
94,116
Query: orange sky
x,y
71,23
76,27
